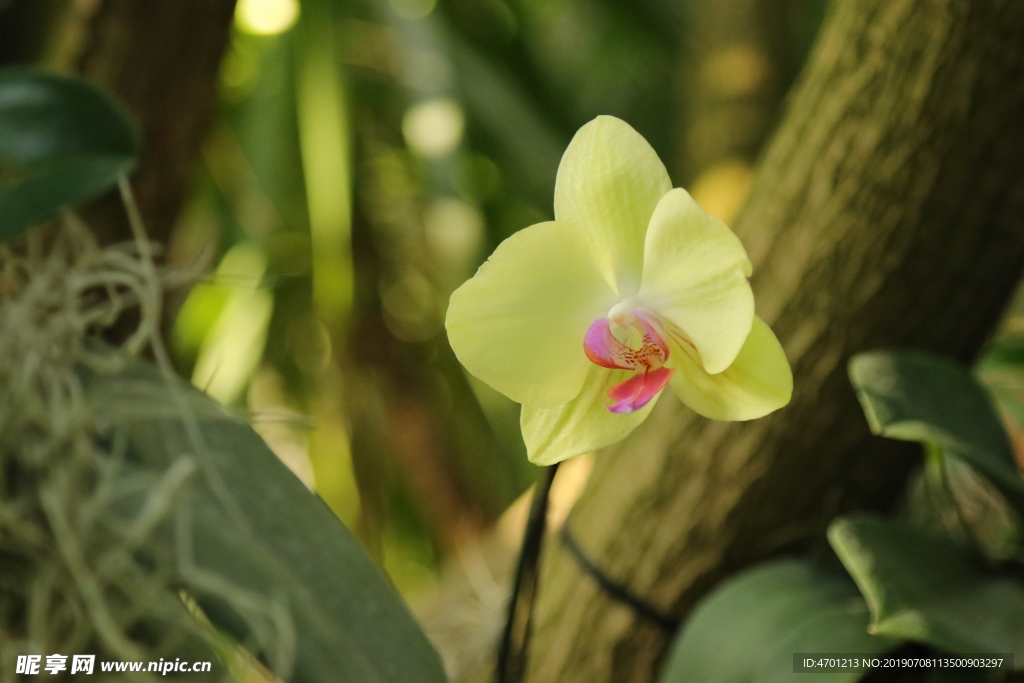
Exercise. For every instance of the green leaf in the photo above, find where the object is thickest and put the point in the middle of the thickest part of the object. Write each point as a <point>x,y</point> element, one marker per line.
<point>918,397</point>
<point>748,629</point>
<point>266,559</point>
<point>924,588</point>
<point>1005,351</point>
<point>61,141</point>
<point>952,497</point>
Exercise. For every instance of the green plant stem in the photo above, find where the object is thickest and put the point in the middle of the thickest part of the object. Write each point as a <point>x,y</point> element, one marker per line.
<point>515,640</point>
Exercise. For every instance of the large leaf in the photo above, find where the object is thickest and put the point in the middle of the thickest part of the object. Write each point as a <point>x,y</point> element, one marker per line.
<point>61,141</point>
<point>924,588</point>
<point>748,630</point>
<point>265,558</point>
<point>917,397</point>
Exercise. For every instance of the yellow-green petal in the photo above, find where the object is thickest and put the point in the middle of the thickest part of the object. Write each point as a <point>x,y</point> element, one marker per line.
<point>581,426</point>
<point>695,276</point>
<point>608,183</point>
<point>758,382</point>
<point>518,324</point>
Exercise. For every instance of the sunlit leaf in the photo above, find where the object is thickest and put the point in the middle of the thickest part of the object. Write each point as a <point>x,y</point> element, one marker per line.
<point>923,587</point>
<point>266,560</point>
<point>748,630</point>
<point>917,397</point>
<point>61,141</point>
<point>232,346</point>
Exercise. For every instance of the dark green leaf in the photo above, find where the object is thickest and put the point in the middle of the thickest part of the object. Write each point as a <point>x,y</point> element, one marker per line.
<point>1004,351</point>
<point>954,498</point>
<point>918,397</point>
<point>748,630</point>
<point>265,558</point>
<point>924,588</point>
<point>61,141</point>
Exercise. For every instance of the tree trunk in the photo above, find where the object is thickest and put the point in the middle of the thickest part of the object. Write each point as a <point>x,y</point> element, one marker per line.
<point>25,28</point>
<point>889,211</point>
<point>162,59</point>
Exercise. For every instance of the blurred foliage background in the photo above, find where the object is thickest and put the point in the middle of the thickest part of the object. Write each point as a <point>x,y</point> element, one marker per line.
<point>364,159</point>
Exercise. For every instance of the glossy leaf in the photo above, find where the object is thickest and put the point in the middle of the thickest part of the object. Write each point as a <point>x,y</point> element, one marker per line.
<point>922,587</point>
<point>748,630</point>
<point>918,397</point>
<point>61,142</point>
<point>266,559</point>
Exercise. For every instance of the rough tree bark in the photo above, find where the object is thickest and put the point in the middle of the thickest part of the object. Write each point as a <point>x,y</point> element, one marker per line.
<point>888,211</point>
<point>161,58</point>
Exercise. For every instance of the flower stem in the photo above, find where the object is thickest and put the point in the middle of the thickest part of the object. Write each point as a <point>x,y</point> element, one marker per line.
<point>515,641</point>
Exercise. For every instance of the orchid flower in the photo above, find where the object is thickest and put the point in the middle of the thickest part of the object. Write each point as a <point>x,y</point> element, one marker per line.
<point>584,320</point>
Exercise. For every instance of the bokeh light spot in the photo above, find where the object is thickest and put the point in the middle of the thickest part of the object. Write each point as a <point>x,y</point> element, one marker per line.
<point>722,189</point>
<point>433,128</point>
<point>266,17</point>
<point>736,71</point>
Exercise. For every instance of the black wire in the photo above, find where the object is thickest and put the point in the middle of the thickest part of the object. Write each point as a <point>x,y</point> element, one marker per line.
<point>613,588</point>
<point>512,651</point>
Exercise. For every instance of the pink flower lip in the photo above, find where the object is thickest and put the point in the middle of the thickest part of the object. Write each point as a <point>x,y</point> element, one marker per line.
<point>603,349</point>
<point>638,390</point>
